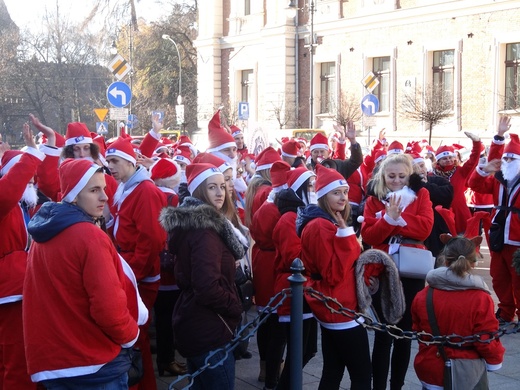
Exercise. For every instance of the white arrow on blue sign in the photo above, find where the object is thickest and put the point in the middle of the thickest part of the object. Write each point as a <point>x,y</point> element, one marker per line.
<point>119,94</point>
<point>370,104</point>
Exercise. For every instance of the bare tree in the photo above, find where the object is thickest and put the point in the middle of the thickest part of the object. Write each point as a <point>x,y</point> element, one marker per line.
<point>430,107</point>
<point>346,109</point>
<point>283,113</point>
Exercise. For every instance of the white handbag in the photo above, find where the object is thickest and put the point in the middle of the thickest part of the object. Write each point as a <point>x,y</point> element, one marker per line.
<point>413,262</point>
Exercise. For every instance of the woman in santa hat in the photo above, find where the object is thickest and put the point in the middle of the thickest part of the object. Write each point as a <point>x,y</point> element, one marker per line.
<point>300,193</point>
<point>462,305</point>
<point>206,247</point>
<point>394,210</point>
<point>329,251</point>
<point>74,336</point>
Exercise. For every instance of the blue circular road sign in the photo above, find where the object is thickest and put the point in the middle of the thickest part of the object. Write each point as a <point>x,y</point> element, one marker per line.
<point>370,105</point>
<point>119,94</point>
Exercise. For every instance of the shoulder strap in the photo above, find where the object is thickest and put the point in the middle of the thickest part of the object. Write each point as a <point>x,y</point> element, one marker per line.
<point>433,321</point>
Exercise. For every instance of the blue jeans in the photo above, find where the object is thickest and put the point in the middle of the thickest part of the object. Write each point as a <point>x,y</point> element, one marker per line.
<point>221,377</point>
<point>119,383</point>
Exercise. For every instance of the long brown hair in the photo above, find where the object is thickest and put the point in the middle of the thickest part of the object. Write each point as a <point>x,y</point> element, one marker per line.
<point>459,254</point>
<point>324,205</point>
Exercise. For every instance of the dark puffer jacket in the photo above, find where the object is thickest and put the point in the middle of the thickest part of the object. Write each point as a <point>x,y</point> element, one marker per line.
<point>205,248</point>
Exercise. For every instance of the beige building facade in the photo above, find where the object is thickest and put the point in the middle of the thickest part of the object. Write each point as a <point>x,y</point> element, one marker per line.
<point>465,51</point>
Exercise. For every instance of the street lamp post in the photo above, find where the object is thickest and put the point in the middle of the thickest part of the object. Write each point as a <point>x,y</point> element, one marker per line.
<point>179,97</point>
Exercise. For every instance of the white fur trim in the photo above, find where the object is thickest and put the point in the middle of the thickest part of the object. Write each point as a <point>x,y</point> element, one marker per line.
<point>182,159</point>
<point>50,150</point>
<point>197,181</point>
<point>319,146</point>
<point>223,146</point>
<point>331,186</point>
<point>81,184</point>
<point>511,155</point>
<point>444,154</point>
<point>304,176</point>
<point>118,153</point>
<point>289,155</point>
<point>265,166</point>
<point>78,140</point>
<point>394,151</point>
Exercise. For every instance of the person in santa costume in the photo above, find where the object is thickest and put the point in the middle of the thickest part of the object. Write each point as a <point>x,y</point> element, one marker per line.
<point>502,179</point>
<point>446,166</point>
<point>17,199</point>
<point>137,233</point>
<point>300,193</point>
<point>74,336</point>
<point>238,135</point>
<point>271,335</point>
<point>291,153</point>
<point>260,186</point>
<point>166,175</point>
<point>206,248</point>
<point>329,249</point>
<point>394,212</point>
<point>463,305</point>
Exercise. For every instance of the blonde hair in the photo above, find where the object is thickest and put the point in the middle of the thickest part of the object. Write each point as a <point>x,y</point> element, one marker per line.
<point>378,180</point>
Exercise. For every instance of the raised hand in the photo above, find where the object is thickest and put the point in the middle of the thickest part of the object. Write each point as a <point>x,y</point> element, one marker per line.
<point>28,135</point>
<point>503,125</point>
<point>341,130</point>
<point>492,166</point>
<point>46,130</point>
<point>156,123</point>
<point>339,218</point>
<point>351,131</point>
<point>393,207</point>
<point>471,136</point>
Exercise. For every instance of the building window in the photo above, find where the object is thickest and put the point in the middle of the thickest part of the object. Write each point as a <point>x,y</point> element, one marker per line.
<point>327,87</point>
<point>381,68</point>
<point>247,7</point>
<point>443,71</point>
<point>512,95</point>
<point>247,84</point>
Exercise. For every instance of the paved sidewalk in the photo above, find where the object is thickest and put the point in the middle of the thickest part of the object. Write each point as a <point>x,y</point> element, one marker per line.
<point>507,378</point>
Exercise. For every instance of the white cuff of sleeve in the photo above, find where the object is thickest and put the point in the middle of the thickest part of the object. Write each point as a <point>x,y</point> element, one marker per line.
<point>482,173</point>
<point>345,232</point>
<point>50,150</point>
<point>493,367</point>
<point>342,142</point>
<point>131,343</point>
<point>35,152</point>
<point>395,222</point>
<point>157,136</point>
<point>497,142</point>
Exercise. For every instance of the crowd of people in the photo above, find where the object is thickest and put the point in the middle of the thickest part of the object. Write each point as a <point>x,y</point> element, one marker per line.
<point>100,235</point>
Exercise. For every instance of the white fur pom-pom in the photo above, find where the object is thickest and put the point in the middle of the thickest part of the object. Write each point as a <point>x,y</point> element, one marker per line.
<point>360,219</point>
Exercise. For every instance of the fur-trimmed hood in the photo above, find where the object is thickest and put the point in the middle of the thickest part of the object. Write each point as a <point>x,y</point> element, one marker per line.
<point>194,214</point>
<point>392,296</point>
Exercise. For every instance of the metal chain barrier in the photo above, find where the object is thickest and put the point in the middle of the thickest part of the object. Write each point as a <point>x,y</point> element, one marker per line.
<point>250,329</point>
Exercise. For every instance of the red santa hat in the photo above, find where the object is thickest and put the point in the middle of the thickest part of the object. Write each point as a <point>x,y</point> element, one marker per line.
<point>197,173</point>
<point>235,130</point>
<point>266,158</point>
<point>298,176</point>
<point>379,156</point>
<point>395,148</point>
<point>122,148</point>
<point>165,168</point>
<point>209,158</point>
<point>279,172</point>
<point>291,148</point>
<point>100,141</point>
<point>319,141</point>
<point>183,155</point>
<point>77,133</point>
<point>417,158</point>
<point>512,149</point>
<point>327,180</point>
<point>444,151</point>
<point>302,141</point>
<point>218,137</point>
<point>60,139</point>
<point>10,158</point>
<point>74,176</point>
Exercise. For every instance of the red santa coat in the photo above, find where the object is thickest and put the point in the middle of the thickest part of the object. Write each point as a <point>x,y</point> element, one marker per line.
<point>463,313</point>
<point>491,185</point>
<point>263,252</point>
<point>168,282</point>
<point>138,235</point>
<point>332,257</point>
<point>288,247</point>
<point>14,238</point>
<point>357,190</point>
<point>75,329</point>
<point>418,215</point>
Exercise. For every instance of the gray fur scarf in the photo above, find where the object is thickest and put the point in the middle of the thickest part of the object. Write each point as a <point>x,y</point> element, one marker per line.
<point>392,297</point>
<point>195,214</point>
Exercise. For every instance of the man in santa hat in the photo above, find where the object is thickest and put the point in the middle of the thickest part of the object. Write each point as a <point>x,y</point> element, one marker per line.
<point>17,198</point>
<point>447,166</point>
<point>501,177</point>
<point>137,233</point>
<point>78,326</point>
<point>238,135</point>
